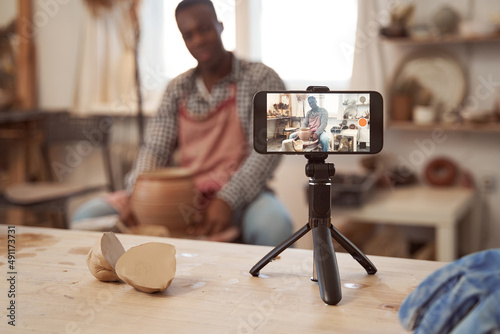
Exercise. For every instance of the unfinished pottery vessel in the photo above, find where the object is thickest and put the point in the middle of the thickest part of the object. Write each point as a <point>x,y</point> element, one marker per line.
<point>165,197</point>
<point>304,134</point>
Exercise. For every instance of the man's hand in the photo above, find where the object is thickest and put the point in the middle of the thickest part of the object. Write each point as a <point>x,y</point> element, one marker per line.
<point>314,136</point>
<point>120,201</point>
<point>216,223</point>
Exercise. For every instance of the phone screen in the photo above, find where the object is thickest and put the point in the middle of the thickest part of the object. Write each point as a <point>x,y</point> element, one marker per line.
<point>303,122</point>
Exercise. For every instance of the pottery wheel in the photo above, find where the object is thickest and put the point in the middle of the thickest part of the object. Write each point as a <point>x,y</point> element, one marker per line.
<point>311,143</point>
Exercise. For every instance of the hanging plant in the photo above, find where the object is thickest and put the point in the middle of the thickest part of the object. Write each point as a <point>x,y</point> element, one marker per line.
<point>301,98</point>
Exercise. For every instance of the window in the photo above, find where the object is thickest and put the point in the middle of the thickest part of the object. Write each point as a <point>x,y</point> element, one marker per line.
<point>302,41</point>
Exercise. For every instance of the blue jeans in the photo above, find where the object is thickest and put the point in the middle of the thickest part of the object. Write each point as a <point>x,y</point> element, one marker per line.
<point>323,139</point>
<point>460,298</point>
<point>265,221</point>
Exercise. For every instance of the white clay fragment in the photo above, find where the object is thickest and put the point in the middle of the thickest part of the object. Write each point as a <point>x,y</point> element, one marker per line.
<point>102,258</point>
<point>149,267</point>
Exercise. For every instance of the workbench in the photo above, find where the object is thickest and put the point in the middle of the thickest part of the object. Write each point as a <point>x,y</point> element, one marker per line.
<point>21,135</point>
<point>212,291</point>
<point>441,208</point>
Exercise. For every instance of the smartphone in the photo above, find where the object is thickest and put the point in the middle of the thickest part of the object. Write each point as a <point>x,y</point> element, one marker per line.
<point>310,122</point>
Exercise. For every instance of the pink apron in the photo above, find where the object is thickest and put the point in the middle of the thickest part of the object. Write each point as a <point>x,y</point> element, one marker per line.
<point>214,146</point>
<point>314,123</point>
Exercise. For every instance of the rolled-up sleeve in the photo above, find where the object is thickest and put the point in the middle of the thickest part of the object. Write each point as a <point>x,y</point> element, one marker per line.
<point>257,169</point>
<point>323,120</point>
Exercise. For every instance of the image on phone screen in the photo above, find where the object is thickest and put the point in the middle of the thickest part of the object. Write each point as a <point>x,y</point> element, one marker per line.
<point>327,122</point>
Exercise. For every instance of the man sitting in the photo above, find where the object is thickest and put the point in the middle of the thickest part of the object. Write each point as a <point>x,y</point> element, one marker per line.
<point>316,119</point>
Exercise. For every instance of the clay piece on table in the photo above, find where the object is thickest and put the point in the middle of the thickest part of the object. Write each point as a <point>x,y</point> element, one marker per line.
<point>149,267</point>
<point>151,230</point>
<point>102,257</point>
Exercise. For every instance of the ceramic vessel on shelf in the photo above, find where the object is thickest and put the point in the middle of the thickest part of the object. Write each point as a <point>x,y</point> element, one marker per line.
<point>402,105</point>
<point>471,28</point>
<point>446,20</point>
<point>163,197</point>
<point>304,134</point>
<point>423,115</point>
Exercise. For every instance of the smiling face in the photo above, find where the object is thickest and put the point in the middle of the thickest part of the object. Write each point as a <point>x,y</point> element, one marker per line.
<point>202,34</point>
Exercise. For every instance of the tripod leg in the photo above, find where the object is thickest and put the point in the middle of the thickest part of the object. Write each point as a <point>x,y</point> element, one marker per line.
<point>326,266</point>
<point>278,249</point>
<point>355,252</point>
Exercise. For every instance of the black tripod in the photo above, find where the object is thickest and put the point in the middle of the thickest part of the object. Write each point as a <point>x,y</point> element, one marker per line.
<point>326,271</point>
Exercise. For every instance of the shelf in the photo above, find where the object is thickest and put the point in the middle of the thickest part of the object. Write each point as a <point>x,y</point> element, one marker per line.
<point>463,127</point>
<point>455,39</point>
<point>283,117</point>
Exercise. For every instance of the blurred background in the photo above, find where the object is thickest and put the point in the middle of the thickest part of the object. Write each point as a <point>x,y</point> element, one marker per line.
<point>432,193</point>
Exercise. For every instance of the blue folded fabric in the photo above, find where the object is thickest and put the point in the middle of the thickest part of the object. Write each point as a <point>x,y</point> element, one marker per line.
<point>461,297</point>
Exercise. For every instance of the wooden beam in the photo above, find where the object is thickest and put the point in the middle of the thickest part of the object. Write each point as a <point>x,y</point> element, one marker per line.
<point>26,62</point>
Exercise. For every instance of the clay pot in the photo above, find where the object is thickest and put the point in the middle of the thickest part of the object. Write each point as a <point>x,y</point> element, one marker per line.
<point>165,197</point>
<point>446,20</point>
<point>402,107</point>
<point>304,134</point>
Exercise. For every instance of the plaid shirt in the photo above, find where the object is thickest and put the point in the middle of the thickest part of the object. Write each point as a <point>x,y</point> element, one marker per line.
<point>161,135</point>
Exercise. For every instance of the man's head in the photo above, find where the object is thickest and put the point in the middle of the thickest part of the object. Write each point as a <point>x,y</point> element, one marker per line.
<point>201,31</point>
<point>188,3</point>
<point>312,102</point>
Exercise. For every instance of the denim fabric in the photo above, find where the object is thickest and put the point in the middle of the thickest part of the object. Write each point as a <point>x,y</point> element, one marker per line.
<point>484,318</point>
<point>94,208</point>
<point>266,221</point>
<point>325,141</point>
<point>461,297</point>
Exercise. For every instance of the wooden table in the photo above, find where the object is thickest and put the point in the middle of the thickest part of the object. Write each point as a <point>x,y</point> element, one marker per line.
<point>212,291</point>
<point>438,207</point>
